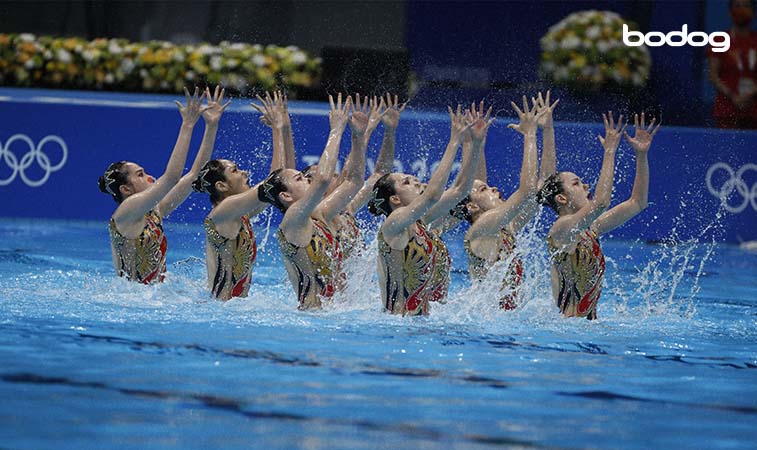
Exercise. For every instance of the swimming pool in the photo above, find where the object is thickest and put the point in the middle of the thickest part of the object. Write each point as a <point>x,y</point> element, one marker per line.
<point>89,360</point>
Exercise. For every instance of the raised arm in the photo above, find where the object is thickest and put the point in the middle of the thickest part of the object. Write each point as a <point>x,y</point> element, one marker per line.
<point>471,154</point>
<point>548,165</point>
<point>365,118</point>
<point>353,171</point>
<point>296,222</point>
<point>385,159</point>
<point>402,217</point>
<point>493,220</point>
<point>568,227</point>
<point>212,115</point>
<point>621,213</point>
<point>273,115</point>
<point>135,206</point>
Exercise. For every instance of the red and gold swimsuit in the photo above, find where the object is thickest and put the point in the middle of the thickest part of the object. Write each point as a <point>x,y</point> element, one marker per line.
<point>579,276</point>
<point>230,261</point>
<point>479,267</point>
<point>441,268</point>
<point>414,276</point>
<point>348,234</point>
<point>142,259</point>
<point>316,269</point>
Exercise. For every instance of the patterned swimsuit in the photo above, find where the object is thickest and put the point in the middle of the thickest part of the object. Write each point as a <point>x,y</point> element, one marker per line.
<point>233,258</point>
<point>142,259</point>
<point>414,276</point>
<point>315,269</point>
<point>479,267</point>
<point>348,234</point>
<point>579,276</point>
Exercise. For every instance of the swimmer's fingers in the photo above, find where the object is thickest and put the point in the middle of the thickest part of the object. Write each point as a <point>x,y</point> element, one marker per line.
<point>643,121</point>
<point>178,103</point>
<point>517,110</point>
<point>539,100</point>
<point>331,102</point>
<point>656,128</point>
<point>382,109</point>
<point>488,114</point>
<point>601,140</point>
<point>186,94</point>
<point>260,110</point>
<point>225,105</point>
<point>196,95</point>
<point>611,120</point>
<point>525,105</point>
<point>604,119</point>
<point>552,108</point>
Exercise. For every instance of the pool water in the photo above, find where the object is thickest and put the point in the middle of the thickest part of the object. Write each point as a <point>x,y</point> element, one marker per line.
<point>88,360</point>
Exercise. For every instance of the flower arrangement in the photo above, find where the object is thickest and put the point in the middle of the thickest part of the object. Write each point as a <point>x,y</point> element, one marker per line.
<point>586,50</point>
<point>155,66</point>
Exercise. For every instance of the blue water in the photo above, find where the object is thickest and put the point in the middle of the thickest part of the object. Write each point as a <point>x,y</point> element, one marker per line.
<point>88,360</point>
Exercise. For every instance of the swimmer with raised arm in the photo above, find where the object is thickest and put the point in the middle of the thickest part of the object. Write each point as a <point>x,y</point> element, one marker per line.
<point>578,264</point>
<point>138,242</point>
<point>390,111</point>
<point>494,221</point>
<point>364,120</point>
<point>309,247</point>
<point>230,245</point>
<point>413,261</point>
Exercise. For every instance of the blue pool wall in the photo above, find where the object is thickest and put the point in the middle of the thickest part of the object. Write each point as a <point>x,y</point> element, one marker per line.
<point>689,166</point>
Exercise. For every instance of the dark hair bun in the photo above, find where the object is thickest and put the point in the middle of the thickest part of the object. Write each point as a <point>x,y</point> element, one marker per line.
<point>460,211</point>
<point>198,185</point>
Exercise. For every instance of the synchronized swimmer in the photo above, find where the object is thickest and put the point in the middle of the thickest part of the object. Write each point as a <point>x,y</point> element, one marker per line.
<point>318,232</point>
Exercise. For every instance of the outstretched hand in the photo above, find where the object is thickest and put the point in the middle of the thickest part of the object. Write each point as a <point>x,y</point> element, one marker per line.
<point>480,122</point>
<point>544,110</point>
<point>214,106</point>
<point>360,116</point>
<point>191,112</point>
<point>391,117</point>
<point>643,134</point>
<point>272,109</point>
<point>339,114</point>
<point>528,118</point>
<point>460,122</point>
<point>376,111</point>
<point>613,132</point>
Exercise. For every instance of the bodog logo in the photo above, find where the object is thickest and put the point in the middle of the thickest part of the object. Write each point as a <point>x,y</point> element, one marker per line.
<point>35,154</point>
<point>734,183</point>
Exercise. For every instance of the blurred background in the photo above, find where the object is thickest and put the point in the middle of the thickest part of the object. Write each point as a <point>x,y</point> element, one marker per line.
<point>437,53</point>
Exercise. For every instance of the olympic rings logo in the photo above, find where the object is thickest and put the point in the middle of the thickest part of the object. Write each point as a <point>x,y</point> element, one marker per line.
<point>35,154</point>
<point>734,183</point>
